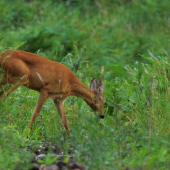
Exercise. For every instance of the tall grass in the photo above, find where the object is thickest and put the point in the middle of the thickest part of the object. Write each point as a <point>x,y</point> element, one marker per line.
<point>135,131</point>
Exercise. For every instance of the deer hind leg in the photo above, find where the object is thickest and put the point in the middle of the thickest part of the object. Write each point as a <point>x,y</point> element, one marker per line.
<point>16,74</point>
<point>41,100</point>
<point>14,84</point>
<point>62,113</point>
<point>3,81</point>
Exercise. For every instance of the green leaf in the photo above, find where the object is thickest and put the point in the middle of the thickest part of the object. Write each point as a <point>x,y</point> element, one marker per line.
<point>66,159</point>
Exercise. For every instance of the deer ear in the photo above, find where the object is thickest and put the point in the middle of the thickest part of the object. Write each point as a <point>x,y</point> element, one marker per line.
<point>93,84</point>
<point>100,86</point>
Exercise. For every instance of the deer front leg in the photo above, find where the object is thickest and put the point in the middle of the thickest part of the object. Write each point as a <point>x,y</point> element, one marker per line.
<point>62,113</point>
<point>41,100</point>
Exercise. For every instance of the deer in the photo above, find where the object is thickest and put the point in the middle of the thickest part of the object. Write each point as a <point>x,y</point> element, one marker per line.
<point>51,79</point>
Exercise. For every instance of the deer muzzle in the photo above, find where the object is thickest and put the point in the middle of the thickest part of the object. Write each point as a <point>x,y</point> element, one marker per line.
<point>101,116</point>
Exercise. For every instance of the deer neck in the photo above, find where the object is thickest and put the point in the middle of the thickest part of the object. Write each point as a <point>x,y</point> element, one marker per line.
<point>80,90</point>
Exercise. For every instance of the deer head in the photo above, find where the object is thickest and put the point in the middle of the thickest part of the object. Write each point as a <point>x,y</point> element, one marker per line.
<point>98,99</point>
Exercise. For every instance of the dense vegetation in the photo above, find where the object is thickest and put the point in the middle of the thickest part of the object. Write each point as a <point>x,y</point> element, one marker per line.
<point>127,43</point>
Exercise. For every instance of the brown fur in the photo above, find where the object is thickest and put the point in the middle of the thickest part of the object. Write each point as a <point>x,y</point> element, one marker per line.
<point>53,80</point>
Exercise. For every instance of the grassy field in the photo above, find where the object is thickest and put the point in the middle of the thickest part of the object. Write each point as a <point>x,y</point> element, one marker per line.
<point>122,42</point>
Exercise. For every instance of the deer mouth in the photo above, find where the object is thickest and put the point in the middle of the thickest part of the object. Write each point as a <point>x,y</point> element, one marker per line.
<point>101,116</point>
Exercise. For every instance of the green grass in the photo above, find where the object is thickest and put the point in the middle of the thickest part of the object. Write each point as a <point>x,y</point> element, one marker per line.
<point>116,36</point>
<point>13,149</point>
<point>122,138</point>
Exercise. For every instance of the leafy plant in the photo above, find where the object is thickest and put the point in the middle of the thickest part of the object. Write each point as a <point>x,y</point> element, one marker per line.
<point>48,159</point>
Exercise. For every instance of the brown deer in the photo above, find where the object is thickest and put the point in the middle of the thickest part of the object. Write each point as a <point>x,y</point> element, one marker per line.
<point>52,79</point>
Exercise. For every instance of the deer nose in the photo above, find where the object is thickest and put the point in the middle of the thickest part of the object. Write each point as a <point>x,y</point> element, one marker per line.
<point>101,116</point>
